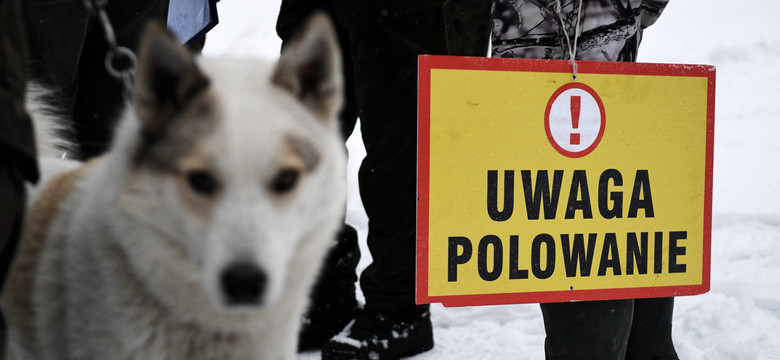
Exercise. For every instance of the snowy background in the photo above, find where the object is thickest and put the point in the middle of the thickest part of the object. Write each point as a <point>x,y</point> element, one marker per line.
<point>740,317</point>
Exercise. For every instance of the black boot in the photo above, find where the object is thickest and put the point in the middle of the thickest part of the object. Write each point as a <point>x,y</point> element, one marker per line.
<point>382,335</point>
<point>323,321</point>
<point>333,302</point>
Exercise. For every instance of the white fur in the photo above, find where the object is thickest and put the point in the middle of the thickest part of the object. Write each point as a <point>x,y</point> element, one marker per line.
<point>130,271</point>
<point>51,130</point>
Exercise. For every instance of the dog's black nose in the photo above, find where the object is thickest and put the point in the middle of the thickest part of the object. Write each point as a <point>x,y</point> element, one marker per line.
<point>243,284</point>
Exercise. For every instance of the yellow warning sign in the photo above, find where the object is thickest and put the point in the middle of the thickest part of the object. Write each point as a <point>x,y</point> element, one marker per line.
<point>534,187</point>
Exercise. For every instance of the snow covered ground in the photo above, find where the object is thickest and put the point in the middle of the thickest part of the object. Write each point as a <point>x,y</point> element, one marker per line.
<point>740,317</point>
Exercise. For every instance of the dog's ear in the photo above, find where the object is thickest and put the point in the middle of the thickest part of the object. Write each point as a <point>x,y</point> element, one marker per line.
<point>167,78</point>
<point>310,67</point>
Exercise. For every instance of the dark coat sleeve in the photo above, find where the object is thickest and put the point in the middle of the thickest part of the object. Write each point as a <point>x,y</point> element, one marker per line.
<point>16,132</point>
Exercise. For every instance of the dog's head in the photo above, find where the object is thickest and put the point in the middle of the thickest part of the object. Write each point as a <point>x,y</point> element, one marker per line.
<point>237,167</point>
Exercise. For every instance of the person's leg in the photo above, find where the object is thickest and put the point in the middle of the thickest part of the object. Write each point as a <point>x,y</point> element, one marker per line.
<point>385,43</point>
<point>333,302</point>
<point>99,99</point>
<point>385,47</point>
<point>386,93</point>
<point>17,148</point>
<point>56,30</point>
<point>651,332</point>
<point>593,330</point>
<point>292,14</point>
<point>12,198</point>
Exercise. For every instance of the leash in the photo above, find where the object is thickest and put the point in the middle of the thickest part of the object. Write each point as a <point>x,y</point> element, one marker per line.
<point>120,61</point>
<point>572,50</point>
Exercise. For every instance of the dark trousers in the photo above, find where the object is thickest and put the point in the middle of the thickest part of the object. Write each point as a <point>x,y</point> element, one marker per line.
<point>380,45</point>
<point>638,329</point>
<point>385,38</point>
<point>68,50</point>
<point>337,278</point>
<point>12,205</point>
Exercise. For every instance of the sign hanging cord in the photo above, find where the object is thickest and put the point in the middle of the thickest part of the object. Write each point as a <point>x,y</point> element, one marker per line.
<point>572,50</point>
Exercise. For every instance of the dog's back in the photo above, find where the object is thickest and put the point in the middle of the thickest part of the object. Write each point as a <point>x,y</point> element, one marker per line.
<point>18,300</point>
<point>201,231</point>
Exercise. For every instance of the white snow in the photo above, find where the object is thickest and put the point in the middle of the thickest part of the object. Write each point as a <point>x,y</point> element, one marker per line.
<point>740,317</point>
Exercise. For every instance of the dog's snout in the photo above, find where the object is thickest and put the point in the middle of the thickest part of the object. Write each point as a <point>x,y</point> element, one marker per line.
<point>243,284</point>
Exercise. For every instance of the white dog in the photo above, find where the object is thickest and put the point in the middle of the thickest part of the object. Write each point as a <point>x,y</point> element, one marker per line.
<point>200,233</point>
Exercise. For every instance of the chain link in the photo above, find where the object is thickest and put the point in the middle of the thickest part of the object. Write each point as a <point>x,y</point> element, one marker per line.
<point>120,61</point>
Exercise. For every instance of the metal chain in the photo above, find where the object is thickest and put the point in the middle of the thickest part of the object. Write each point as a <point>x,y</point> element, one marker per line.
<point>120,61</point>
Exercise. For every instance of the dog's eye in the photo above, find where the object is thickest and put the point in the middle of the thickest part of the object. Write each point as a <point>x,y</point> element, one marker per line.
<point>202,182</point>
<point>285,180</point>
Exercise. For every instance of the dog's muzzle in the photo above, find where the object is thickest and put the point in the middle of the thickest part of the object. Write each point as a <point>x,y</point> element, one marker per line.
<point>243,284</point>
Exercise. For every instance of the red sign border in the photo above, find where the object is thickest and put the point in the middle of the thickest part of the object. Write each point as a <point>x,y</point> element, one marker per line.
<point>428,62</point>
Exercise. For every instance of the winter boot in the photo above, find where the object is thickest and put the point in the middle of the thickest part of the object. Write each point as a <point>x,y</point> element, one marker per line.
<point>324,320</point>
<point>382,335</point>
<point>333,302</point>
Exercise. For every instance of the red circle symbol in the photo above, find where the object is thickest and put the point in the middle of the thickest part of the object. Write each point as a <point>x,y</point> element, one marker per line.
<point>575,120</point>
